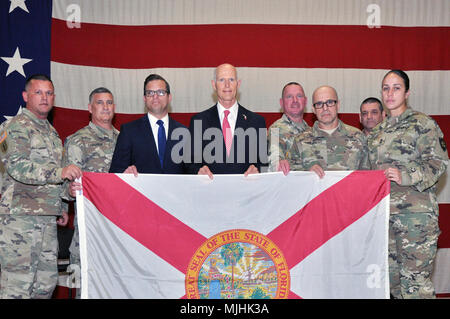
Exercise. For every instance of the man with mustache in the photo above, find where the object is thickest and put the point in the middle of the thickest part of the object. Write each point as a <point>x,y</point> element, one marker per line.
<point>91,148</point>
<point>371,114</point>
<point>331,144</point>
<point>281,133</point>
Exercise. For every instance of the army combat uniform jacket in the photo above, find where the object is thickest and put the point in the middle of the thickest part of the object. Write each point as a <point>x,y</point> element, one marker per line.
<point>3,135</point>
<point>413,143</point>
<point>281,137</point>
<point>91,148</point>
<point>344,149</point>
<point>32,155</point>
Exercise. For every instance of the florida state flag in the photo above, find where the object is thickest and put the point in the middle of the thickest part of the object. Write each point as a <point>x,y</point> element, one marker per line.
<point>262,236</point>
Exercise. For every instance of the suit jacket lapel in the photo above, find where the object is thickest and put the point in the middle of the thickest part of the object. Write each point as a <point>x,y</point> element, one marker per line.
<point>169,142</point>
<point>213,118</point>
<point>242,120</point>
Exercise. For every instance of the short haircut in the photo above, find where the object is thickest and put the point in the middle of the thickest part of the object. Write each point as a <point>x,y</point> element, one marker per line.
<point>98,90</point>
<point>372,100</point>
<point>40,77</point>
<point>215,71</point>
<point>290,83</point>
<point>401,74</point>
<point>154,77</point>
<point>327,87</point>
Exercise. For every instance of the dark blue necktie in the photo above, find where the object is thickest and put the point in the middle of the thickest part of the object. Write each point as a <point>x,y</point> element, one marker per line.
<point>161,141</point>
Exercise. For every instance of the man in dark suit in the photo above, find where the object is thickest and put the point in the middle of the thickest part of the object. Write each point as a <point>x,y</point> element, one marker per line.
<point>145,145</point>
<point>227,138</point>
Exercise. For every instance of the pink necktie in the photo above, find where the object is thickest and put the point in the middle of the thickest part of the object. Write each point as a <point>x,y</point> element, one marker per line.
<point>226,129</point>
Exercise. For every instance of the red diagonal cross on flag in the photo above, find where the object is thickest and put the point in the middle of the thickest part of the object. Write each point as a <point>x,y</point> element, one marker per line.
<point>174,240</point>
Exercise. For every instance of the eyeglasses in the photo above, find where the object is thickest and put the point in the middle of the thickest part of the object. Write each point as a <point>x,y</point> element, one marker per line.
<point>149,93</point>
<point>328,103</point>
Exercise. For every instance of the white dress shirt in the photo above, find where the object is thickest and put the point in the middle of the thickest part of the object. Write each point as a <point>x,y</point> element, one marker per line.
<point>155,127</point>
<point>232,117</point>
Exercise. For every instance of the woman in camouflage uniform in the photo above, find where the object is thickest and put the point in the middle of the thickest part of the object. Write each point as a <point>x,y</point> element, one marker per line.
<point>409,147</point>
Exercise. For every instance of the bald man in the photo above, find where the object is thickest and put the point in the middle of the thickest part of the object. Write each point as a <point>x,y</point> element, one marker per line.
<point>331,144</point>
<point>227,138</point>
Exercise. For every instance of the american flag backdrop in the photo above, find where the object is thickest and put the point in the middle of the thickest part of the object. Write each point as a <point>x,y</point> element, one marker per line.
<point>348,44</point>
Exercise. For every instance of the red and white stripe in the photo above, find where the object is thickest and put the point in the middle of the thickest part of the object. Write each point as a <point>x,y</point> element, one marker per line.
<point>314,42</point>
<point>135,236</point>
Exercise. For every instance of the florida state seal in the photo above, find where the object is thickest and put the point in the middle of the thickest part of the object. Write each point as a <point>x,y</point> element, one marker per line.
<point>238,263</point>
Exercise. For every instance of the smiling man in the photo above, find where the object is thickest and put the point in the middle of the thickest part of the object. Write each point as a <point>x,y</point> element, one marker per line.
<point>331,144</point>
<point>145,145</point>
<point>91,148</point>
<point>31,205</point>
<point>281,133</point>
<point>227,138</point>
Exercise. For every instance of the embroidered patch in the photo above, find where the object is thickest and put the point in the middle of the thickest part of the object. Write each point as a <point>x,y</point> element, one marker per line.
<point>3,144</point>
<point>3,136</point>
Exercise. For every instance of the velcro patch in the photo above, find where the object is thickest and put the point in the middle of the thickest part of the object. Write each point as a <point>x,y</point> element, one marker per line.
<point>3,136</point>
<point>3,144</point>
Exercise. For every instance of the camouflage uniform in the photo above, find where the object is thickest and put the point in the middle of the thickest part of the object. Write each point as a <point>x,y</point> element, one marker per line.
<point>3,134</point>
<point>31,200</point>
<point>90,148</point>
<point>3,209</point>
<point>281,137</point>
<point>344,149</point>
<point>413,143</point>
